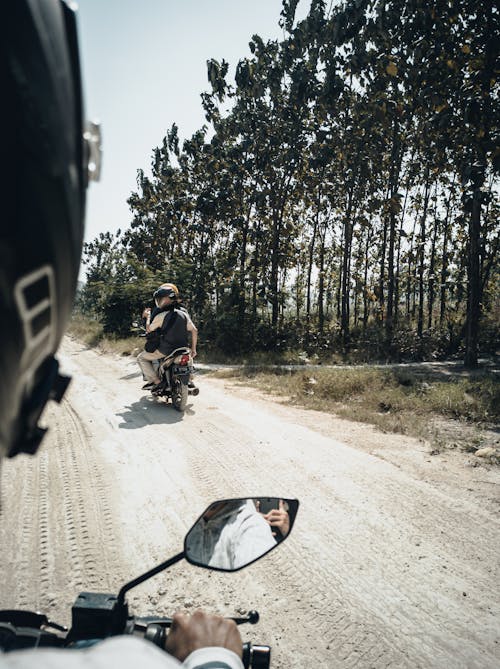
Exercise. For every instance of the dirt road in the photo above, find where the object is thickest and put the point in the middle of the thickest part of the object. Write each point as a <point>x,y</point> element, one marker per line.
<point>393,562</point>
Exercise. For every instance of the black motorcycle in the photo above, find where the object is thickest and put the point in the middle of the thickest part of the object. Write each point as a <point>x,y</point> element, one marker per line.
<point>175,372</point>
<point>96,615</point>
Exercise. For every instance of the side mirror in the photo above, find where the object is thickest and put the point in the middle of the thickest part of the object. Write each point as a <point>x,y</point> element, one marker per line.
<point>232,533</point>
<point>229,535</point>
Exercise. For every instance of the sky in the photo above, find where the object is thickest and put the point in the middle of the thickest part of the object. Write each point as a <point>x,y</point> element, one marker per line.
<point>144,67</point>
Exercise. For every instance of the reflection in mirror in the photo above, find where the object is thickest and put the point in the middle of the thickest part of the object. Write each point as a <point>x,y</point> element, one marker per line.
<point>233,533</point>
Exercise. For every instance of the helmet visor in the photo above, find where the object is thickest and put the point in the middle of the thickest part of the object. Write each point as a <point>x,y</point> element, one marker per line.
<point>163,292</point>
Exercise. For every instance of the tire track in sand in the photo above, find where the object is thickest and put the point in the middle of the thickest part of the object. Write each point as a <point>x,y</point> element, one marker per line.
<point>58,535</point>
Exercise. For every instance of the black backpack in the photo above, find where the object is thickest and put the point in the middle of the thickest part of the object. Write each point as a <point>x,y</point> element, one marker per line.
<point>173,332</point>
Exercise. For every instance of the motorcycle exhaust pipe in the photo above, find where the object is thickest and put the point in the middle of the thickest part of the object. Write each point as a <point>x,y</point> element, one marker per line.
<point>193,391</point>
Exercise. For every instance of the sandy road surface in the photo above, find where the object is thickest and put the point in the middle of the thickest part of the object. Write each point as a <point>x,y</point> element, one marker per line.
<point>394,560</point>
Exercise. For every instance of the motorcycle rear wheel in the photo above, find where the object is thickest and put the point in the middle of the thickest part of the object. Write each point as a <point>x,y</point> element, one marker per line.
<point>179,394</point>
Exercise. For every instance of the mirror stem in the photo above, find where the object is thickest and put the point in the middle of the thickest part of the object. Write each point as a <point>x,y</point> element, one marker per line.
<point>147,575</point>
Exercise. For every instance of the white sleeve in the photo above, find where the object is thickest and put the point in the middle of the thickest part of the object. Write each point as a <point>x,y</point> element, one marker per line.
<point>213,658</point>
<point>254,540</point>
<point>125,652</point>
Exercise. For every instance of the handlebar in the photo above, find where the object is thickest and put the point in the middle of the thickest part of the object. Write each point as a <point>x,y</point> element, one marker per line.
<point>155,630</point>
<point>255,656</point>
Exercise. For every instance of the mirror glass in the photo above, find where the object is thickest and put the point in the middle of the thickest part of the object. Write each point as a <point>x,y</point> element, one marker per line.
<point>232,533</point>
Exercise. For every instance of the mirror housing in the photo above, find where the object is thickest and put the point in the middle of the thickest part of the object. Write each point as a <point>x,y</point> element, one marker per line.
<point>233,533</point>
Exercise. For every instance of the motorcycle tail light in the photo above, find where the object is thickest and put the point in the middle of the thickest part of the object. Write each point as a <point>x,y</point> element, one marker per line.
<point>184,360</point>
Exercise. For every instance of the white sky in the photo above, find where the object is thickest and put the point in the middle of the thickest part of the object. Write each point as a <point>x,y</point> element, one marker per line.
<point>144,67</point>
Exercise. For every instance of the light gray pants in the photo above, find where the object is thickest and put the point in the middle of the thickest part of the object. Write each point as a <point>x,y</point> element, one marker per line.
<point>144,362</point>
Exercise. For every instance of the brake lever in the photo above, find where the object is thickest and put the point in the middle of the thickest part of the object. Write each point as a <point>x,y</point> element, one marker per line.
<point>141,624</point>
<point>252,618</point>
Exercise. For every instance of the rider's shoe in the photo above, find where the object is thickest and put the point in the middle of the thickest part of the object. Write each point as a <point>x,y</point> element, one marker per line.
<point>148,386</point>
<point>158,388</point>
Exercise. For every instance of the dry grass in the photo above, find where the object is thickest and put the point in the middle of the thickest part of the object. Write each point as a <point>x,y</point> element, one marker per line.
<point>87,331</point>
<point>90,333</point>
<point>393,400</point>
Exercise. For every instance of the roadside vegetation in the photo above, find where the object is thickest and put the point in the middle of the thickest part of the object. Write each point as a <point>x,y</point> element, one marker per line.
<point>435,405</point>
<point>90,333</point>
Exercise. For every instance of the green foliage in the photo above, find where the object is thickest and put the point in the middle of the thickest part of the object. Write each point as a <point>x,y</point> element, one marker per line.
<point>121,306</point>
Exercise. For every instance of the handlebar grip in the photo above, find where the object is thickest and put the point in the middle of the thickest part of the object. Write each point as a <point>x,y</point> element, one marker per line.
<point>256,656</point>
<point>157,634</point>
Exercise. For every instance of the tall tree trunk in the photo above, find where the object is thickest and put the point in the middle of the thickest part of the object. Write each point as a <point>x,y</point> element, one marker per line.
<point>346,265</point>
<point>321,282</point>
<point>278,212</point>
<point>275,245</point>
<point>383,252</point>
<point>339,282</point>
<point>309,277</point>
<point>444,257</point>
<point>365,279</point>
<point>397,283</point>
<point>297,295</point>
<point>432,263</point>
<point>412,272</point>
<point>421,264</point>
<point>473,284</point>
<point>393,191</point>
<point>242,271</point>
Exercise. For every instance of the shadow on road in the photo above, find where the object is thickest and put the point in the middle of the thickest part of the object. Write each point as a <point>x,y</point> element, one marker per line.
<point>133,375</point>
<point>148,411</point>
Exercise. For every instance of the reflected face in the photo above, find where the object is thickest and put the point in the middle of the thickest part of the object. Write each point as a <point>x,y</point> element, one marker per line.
<point>164,301</point>
<point>232,534</point>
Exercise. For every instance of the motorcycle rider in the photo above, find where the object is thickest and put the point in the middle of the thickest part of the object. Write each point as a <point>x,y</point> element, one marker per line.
<point>46,165</point>
<point>167,331</point>
<point>230,535</point>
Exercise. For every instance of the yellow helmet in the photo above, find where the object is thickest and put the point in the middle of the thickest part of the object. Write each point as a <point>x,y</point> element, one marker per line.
<point>166,290</point>
<point>171,286</point>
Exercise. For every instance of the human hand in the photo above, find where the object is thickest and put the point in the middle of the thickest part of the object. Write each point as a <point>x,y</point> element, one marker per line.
<point>279,518</point>
<point>200,630</point>
<point>193,353</point>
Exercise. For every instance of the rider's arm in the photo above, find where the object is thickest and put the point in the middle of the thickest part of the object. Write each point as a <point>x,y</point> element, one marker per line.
<point>191,327</point>
<point>125,652</point>
<point>157,322</point>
